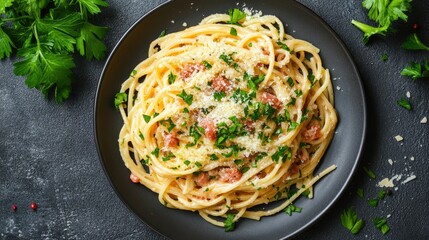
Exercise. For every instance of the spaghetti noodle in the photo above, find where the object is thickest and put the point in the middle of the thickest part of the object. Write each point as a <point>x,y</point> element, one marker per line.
<point>222,117</point>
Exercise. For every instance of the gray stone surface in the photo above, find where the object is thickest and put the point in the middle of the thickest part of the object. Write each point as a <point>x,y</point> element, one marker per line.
<point>48,154</point>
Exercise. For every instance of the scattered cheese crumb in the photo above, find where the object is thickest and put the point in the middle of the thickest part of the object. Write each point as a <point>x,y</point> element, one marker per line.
<point>388,215</point>
<point>184,24</point>
<point>412,158</point>
<point>390,161</point>
<point>399,138</point>
<point>338,88</point>
<point>424,120</point>
<point>410,178</point>
<point>408,94</point>
<point>172,21</point>
<point>386,183</point>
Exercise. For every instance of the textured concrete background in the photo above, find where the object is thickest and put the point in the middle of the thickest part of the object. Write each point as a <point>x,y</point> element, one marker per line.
<point>48,154</point>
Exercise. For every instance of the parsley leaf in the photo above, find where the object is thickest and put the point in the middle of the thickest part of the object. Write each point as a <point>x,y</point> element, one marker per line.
<point>236,15</point>
<point>207,65</point>
<point>188,98</point>
<point>229,224</point>
<point>370,173</point>
<point>120,98</point>
<point>171,78</point>
<point>349,221</point>
<point>381,224</point>
<point>6,44</point>
<point>414,43</point>
<point>93,6</point>
<point>370,30</point>
<point>383,12</point>
<point>233,31</point>
<point>416,70</point>
<point>290,209</point>
<point>403,102</point>
<point>89,43</point>
<point>219,95</point>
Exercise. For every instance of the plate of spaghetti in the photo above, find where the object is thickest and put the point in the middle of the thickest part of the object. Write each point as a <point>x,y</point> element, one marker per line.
<point>223,119</point>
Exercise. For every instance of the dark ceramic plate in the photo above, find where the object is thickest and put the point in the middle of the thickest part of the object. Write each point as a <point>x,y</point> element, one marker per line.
<point>344,150</point>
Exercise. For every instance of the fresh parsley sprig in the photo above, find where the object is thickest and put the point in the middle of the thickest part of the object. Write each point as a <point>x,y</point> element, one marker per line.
<point>413,42</point>
<point>45,34</point>
<point>349,220</point>
<point>416,70</point>
<point>383,12</point>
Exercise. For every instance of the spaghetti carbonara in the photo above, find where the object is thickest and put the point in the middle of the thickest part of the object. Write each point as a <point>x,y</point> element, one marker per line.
<point>228,115</point>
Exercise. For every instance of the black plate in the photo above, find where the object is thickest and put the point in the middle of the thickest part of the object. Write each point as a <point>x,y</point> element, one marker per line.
<point>344,151</point>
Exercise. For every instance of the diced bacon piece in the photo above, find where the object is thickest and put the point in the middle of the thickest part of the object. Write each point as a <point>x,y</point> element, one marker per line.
<point>312,132</point>
<point>229,175</point>
<point>171,140</point>
<point>134,178</point>
<point>271,99</point>
<point>249,125</point>
<point>261,174</point>
<point>221,84</point>
<point>265,51</point>
<point>202,179</point>
<point>190,68</point>
<point>280,57</point>
<point>209,129</point>
<point>294,168</point>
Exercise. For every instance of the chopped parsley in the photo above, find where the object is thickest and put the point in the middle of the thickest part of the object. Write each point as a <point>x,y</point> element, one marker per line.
<point>384,57</point>
<point>381,224</point>
<point>169,124</point>
<point>242,96</point>
<point>219,95</point>
<point>229,224</point>
<point>133,73</point>
<point>253,81</point>
<point>171,78</point>
<point>416,70</point>
<point>186,97</point>
<point>369,172</point>
<point>146,118</point>
<point>233,31</point>
<point>290,209</point>
<point>403,102</point>
<point>207,65</point>
<point>120,98</point>
<point>213,157</point>
<point>291,82</point>
<point>349,220</point>
<point>283,153</point>
<point>155,152</point>
<point>187,162</point>
<point>141,135</point>
<point>414,43</point>
<point>227,58</point>
<point>196,132</point>
<point>198,164</point>
<point>236,15</point>
<point>283,46</point>
<point>162,34</point>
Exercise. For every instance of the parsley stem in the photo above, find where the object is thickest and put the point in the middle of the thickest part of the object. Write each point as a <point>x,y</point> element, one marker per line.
<point>15,19</point>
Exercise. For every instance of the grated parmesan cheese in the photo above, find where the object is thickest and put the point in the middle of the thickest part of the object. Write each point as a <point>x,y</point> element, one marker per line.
<point>386,182</point>
<point>408,94</point>
<point>399,138</point>
<point>390,161</point>
<point>424,120</point>
<point>408,179</point>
